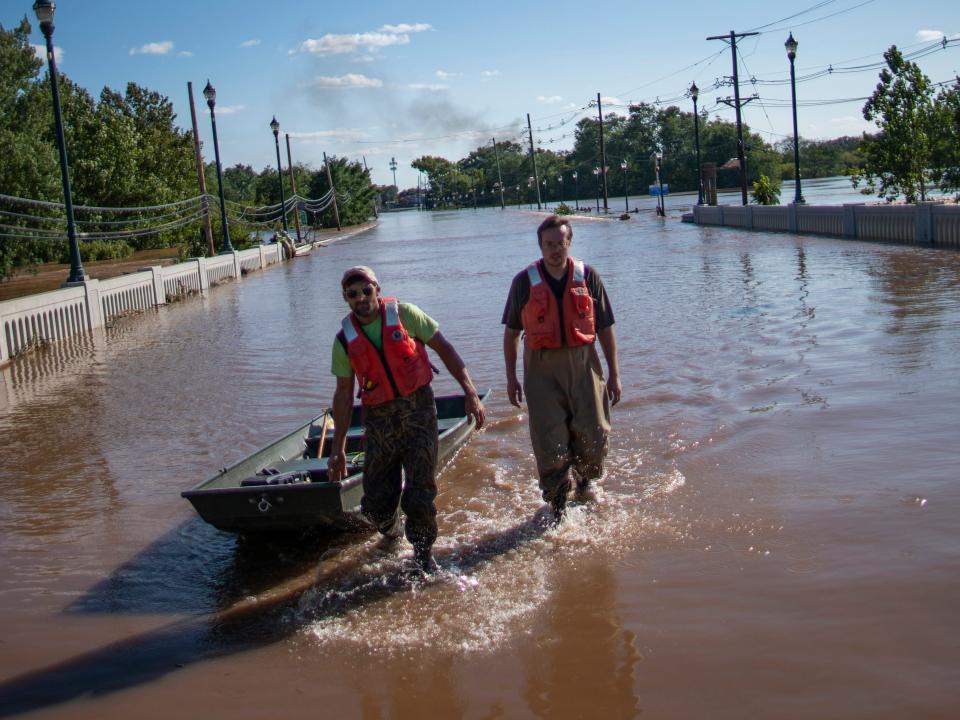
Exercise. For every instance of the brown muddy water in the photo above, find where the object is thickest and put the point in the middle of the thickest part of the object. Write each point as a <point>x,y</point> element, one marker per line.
<point>777,534</point>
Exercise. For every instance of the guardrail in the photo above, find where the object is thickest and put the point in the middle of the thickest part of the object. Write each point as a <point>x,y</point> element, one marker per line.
<point>31,321</point>
<point>928,224</point>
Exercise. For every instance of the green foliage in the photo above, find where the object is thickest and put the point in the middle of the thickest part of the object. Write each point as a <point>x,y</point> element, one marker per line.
<point>93,250</point>
<point>356,192</point>
<point>765,192</point>
<point>898,160</point>
<point>563,209</point>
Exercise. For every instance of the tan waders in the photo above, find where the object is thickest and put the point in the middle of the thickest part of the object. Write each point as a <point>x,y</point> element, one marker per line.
<point>569,417</point>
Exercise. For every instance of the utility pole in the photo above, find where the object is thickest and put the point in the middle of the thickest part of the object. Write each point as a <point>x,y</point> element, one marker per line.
<point>496,154</point>
<point>293,189</point>
<point>201,176</point>
<point>741,157</point>
<point>603,156</point>
<point>336,211</point>
<point>533,159</point>
<point>367,171</point>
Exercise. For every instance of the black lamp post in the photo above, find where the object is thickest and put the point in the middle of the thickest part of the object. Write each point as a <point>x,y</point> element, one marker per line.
<point>657,158</point>
<point>393,167</point>
<point>518,197</point>
<point>45,10</point>
<point>791,46</point>
<point>546,204</point>
<point>560,180</point>
<point>211,96</point>
<point>596,174</point>
<point>695,93</point>
<point>576,191</point>
<point>529,191</point>
<point>275,126</point>
<point>626,201</point>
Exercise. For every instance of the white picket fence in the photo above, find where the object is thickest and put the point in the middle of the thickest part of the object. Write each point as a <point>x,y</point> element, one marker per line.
<point>929,224</point>
<point>53,316</point>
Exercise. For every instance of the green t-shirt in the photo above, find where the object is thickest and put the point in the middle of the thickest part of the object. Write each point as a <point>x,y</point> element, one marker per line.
<point>415,321</point>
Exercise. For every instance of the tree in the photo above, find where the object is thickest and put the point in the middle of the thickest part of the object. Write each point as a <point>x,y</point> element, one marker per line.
<point>946,152</point>
<point>898,159</point>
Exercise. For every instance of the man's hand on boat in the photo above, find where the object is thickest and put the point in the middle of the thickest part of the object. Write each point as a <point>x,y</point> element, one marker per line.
<point>336,466</point>
<point>474,408</point>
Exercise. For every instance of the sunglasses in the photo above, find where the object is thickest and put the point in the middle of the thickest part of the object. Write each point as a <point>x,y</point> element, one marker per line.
<point>354,294</point>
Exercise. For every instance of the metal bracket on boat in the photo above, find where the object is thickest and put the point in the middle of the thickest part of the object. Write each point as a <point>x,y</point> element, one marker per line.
<point>264,504</point>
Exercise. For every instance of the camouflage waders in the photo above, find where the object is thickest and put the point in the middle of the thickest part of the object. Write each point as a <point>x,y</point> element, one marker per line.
<point>402,435</point>
<point>569,416</point>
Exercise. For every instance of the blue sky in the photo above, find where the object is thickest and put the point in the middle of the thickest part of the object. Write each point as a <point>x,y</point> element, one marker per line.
<point>381,80</point>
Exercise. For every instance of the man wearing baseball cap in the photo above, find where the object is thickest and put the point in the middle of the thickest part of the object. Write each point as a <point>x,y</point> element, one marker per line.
<point>382,343</point>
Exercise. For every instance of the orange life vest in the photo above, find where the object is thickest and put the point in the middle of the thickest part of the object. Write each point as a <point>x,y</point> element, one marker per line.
<point>399,368</point>
<point>541,313</point>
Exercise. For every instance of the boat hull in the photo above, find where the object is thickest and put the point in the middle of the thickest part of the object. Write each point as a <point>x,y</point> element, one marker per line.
<point>283,488</point>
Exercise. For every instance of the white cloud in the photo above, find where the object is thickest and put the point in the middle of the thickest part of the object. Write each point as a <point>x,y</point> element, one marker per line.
<point>929,35</point>
<point>230,109</point>
<point>337,134</point>
<point>444,75</point>
<point>333,44</point>
<point>549,99</point>
<point>250,43</point>
<point>489,74</point>
<point>428,86</point>
<point>611,100</point>
<point>41,51</point>
<point>153,48</point>
<point>185,53</point>
<point>405,28</point>
<point>350,80</point>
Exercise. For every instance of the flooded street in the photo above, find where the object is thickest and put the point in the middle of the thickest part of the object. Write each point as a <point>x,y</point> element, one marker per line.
<point>776,535</point>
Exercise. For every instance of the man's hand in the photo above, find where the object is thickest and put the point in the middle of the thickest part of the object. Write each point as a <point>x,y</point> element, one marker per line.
<point>336,466</point>
<point>613,389</point>
<point>514,390</point>
<point>475,409</point>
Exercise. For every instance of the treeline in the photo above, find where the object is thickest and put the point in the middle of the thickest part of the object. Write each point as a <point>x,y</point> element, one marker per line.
<point>125,151</point>
<point>917,148</point>
<point>633,138</point>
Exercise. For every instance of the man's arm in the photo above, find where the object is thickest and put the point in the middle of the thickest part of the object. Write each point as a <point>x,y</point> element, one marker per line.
<point>455,366</point>
<point>342,410</point>
<point>608,342</point>
<point>511,347</point>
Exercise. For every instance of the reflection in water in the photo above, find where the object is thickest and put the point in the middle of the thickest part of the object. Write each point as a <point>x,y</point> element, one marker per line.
<point>583,661</point>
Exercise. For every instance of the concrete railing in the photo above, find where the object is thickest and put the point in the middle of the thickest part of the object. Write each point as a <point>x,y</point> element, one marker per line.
<point>52,316</point>
<point>931,224</point>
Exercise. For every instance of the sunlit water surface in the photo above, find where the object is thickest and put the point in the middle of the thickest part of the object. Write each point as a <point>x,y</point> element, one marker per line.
<point>776,534</point>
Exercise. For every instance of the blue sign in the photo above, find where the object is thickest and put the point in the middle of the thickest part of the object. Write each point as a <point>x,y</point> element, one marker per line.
<point>655,190</point>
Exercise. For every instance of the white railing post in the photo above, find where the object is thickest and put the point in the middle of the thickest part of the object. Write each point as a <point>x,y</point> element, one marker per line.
<point>236,265</point>
<point>159,293</point>
<point>792,217</point>
<point>849,221</point>
<point>263,256</point>
<point>91,289</point>
<point>202,274</point>
<point>4,350</point>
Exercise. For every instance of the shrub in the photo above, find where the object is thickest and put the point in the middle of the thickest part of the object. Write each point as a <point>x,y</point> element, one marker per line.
<point>563,209</point>
<point>765,191</point>
<point>93,250</point>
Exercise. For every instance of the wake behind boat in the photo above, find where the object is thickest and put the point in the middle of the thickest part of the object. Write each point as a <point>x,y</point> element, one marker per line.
<point>283,487</point>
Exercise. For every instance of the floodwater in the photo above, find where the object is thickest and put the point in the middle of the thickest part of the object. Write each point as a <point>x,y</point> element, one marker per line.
<point>776,535</point>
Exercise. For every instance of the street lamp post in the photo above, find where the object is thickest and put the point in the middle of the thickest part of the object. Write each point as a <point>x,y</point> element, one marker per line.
<point>393,167</point>
<point>45,11</point>
<point>576,191</point>
<point>657,158</point>
<point>596,174</point>
<point>529,189</point>
<point>560,180</point>
<point>546,203</point>
<point>791,46</point>
<point>694,93</point>
<point>626,201</point>
<point>210,93</point>
<point>518,197</point>
<point>275,126</point>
